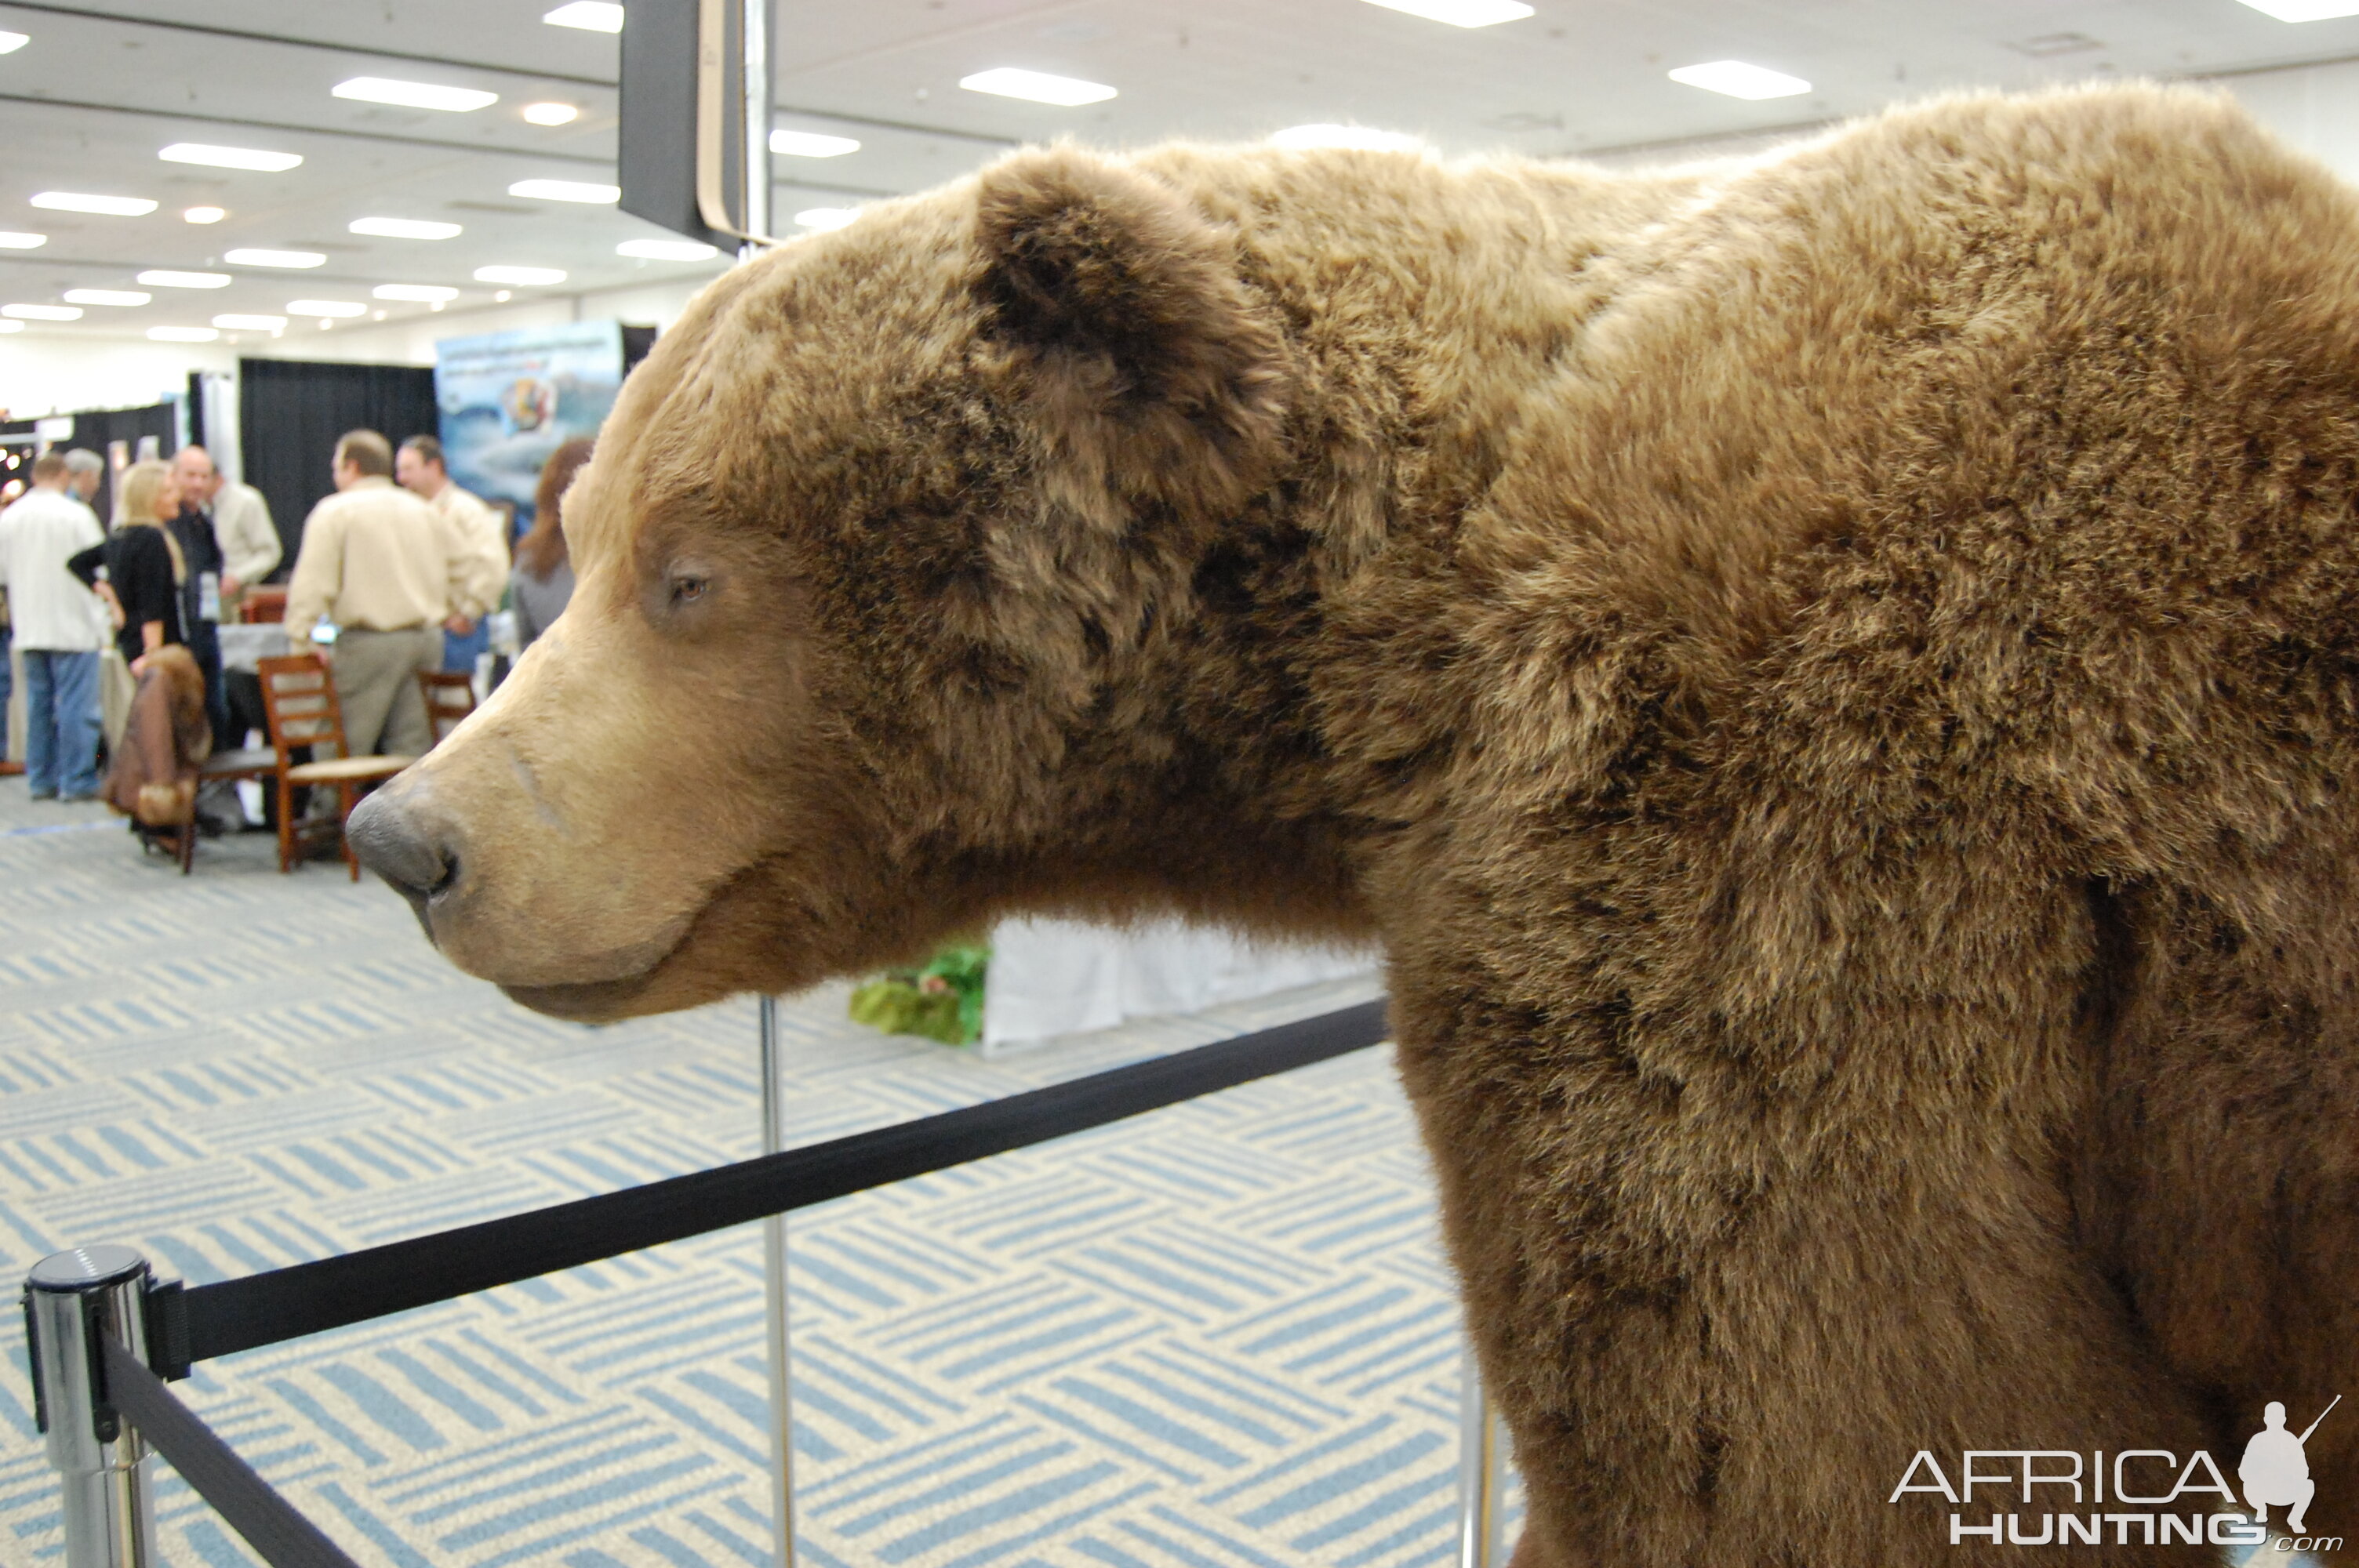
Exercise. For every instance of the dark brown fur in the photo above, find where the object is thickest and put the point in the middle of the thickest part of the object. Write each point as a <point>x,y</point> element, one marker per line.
<point>1835,680</point>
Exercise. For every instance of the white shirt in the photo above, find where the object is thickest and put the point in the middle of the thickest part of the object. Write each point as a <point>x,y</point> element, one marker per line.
<point>485,574</point>
<point>249,544</point>
<point>47,604</point>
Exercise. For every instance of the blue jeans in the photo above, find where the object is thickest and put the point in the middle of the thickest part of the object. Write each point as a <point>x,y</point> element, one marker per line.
<point>7,683</point>
<point>459,653</point>
<point>60,722</point>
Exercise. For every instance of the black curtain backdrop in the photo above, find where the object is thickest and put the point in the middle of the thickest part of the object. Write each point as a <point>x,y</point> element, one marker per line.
<point>97,428</point>
<point>291,411</point>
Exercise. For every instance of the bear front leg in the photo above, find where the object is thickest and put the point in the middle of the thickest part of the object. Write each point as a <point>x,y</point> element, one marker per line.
<point>1728,1277</point>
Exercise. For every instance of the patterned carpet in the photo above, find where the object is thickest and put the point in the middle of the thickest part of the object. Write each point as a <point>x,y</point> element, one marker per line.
<point>1216,1337</point>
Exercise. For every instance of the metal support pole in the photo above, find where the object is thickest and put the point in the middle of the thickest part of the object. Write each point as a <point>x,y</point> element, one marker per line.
<point>774,1295</point>
<point>1478,1471</point>
<point>755,26</point>
<point>69,1299</point>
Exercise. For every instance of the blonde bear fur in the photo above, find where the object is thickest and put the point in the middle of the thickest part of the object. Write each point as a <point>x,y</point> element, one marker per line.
<point>1834,678</point>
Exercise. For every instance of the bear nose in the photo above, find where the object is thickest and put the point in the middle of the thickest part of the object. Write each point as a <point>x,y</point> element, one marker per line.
<point>394,838</point>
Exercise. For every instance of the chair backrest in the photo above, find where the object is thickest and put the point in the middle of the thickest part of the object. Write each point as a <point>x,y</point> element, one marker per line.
<point>449,697</point>
<point>299,701</point>
<point>260,604</point>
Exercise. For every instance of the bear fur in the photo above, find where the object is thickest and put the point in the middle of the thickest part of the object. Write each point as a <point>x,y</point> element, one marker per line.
<point>1835,677</point>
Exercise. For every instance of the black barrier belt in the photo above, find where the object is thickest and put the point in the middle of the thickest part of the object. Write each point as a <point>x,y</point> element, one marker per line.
<point>310,1298</point>
<point>283,1538</point>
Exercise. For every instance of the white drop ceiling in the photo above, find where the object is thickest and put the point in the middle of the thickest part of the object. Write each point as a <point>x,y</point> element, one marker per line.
<point>87,103</point>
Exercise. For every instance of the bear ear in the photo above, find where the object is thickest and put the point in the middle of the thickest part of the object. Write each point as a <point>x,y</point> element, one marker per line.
<point>1147,362</point>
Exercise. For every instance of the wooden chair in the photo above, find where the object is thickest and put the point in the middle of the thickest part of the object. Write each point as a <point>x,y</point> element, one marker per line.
<point>299,697</point>
<point>248,762</point>
<point>449,697</point>
<point>260,604</point>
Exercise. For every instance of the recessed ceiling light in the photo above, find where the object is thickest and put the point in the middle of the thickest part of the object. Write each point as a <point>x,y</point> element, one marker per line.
<point>253,158</point>
<point>2306,10</point>
<point>811,143</point>
<point>826,217</point>
<point>590,15</point>
<point>203,215</point>
<point>156,277</point>
<point>414,94</point>
<point>41,312</point>
<point>183,334</point>
<point>1462,13</point>
<point>275,258</point>
<point>522,277</point>
<point>404,228</point>
<point>16,242</point>
<point>106,206</point>
<point>1364,139</point>
<point>665,250</point>
<point>11,42</point>
<point>325,307</point>
<point>1738,80</point>
<point>566,190</point>
<point>252,323</point>
<point>501,298</point>
<point>104,297</point>
<point>550,113</point>
<point>1037,87</point>
<point>422,293</point>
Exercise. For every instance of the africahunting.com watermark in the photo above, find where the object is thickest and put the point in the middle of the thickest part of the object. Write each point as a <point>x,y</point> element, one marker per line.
<point>2142,1496</point>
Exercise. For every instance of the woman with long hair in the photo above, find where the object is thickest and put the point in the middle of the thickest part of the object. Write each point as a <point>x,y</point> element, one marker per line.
<point>138,568</point>
<point>543,578</point>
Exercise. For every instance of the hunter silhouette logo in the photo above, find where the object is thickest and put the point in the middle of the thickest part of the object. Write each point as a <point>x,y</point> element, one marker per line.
<point>2276,1470</point>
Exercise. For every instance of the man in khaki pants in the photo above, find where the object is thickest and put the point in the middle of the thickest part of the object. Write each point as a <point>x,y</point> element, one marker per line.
<point>385,569</point>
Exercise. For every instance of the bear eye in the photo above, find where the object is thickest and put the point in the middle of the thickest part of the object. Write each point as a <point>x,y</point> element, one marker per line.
<point>686,590</point>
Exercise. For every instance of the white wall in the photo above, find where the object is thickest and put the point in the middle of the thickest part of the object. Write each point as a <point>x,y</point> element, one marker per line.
<point>410,341</point>
<point>56,373</point>
<point>2315,107</point>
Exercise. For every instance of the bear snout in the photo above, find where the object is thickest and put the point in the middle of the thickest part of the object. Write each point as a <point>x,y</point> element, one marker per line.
<point>393,840</point>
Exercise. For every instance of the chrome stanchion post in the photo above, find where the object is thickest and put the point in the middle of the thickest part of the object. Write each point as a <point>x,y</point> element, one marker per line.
<point>1478,1471</point>
<point>774,1293</point>
<point>70,1298</point>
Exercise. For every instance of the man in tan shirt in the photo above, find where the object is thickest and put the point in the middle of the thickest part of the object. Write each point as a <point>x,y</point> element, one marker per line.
<point>385,569</point>
<point>419,468</point>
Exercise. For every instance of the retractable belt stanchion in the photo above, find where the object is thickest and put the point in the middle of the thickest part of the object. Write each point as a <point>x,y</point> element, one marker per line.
<point>774,1292</point>
<point>73,1300</point>
<point>1478,1471</point>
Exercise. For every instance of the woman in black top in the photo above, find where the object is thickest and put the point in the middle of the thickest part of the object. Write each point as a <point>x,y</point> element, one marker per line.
<point>142,564</point>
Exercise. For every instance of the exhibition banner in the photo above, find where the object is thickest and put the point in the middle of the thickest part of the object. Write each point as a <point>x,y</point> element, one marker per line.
<point>509,400</point>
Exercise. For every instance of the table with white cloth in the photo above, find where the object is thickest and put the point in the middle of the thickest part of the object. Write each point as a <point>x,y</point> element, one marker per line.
<point>1050,977</point>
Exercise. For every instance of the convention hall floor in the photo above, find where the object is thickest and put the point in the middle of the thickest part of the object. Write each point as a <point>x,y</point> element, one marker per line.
<point>1217,1337</point>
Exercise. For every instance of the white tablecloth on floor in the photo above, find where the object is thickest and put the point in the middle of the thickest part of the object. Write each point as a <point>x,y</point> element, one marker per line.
<point>1061,976</point>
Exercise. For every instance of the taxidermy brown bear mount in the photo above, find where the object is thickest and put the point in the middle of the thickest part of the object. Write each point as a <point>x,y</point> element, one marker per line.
<point>1830,676</point>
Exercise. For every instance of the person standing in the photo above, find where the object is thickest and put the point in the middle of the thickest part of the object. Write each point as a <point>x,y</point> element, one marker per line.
<point>200,602</point>
<point>544,574</point>
<point>243,533</point>
<point>386,570</point>
<point>61,625</point>
<point>140,565</point>
<point>419,469</point>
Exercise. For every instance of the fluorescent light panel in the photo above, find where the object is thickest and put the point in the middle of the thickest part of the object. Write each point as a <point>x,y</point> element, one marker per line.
<point>550,113</point>
<point>251,323</point>
<point>665,250</point>
<point>404,228</point>
<point>41,312</point>
<point>105,206</point>
<point>203,215</point>
<point>590,15</point>
<point>1364,138</point>
<point>826,217</point>
<point>11,42</point>
<point>275,258</point>
<point>414,94</point>
<point>1461,13</point>
<point>2305,10</point>
<point>521,277</point>
<point>158,278</point>
<point>811,143</point>
<point>1737,79</point>
<point>1037,87</point>
<point>335,308</point>
<point>104,297</point>
<point>183,334</point>
<point>420,292</point>
<point>566,190</point>
<point>253,158</point>
<point>7,326</point>
<point>12,241</point>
